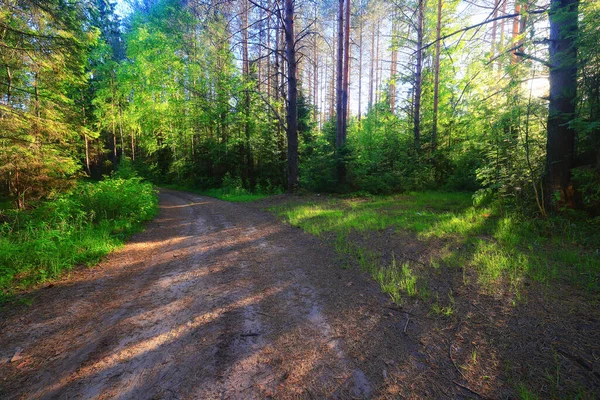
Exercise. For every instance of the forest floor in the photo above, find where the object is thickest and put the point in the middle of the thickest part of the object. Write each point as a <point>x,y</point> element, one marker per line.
<point>222,300</point>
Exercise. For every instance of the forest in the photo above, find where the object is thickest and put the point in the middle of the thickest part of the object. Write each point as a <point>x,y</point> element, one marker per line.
<point>497,98</point>
<point>424,141</point>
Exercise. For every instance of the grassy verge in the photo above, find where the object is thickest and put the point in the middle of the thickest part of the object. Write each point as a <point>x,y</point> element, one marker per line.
<point>75,228</point>
<point>227,194</point>
<point>479,239</point>
<point>232,190</point>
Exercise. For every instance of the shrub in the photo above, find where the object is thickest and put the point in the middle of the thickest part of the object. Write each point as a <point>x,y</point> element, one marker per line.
<point>78,227</point>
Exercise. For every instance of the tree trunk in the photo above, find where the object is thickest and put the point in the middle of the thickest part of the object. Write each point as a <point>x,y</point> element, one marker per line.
<point>436,78</point>
<point>418,77</point>
<point>515,32</point>
<point>371,71</point>
<point>560,145</point>
<point>346,80</point>
<point>85,138</point>
<point>246,76</point>
<point>393,66</point>
<point>9,85</point>
<point>377,67</point>
<point>315,71</point>
<point>340,77</point>
<point>292,114</point>
<point>360,55</point>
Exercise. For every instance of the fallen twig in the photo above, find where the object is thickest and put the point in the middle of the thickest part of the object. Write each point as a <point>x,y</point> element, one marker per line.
<point>407,321</point>
<point>453,363</point>
<point>251,334</point>
<point>469,389</point>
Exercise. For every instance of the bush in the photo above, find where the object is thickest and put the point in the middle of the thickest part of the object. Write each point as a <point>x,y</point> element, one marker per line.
<point>78,227</point>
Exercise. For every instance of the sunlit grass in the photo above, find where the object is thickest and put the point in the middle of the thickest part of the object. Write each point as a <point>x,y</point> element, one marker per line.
<point>76,228</point>
<point>495,246</point>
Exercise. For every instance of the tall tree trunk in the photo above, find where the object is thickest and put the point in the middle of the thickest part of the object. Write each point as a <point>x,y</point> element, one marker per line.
<point>377,63</point>
<point>315,70</point>
<point>332,88</point>
<point>360,61</point>
<point>371,71</point>
<point>418,76</point>
<point>340,77</point>
<point>292,114</point>
<point>85,138</point>
<point>9,85</point>
<point>393,65</point>
<point>436,78</point>
<point>560,145</point>
<point>346,81</point>
<point>113,125</point>
<point>515,31</point>
<point>246,75</point>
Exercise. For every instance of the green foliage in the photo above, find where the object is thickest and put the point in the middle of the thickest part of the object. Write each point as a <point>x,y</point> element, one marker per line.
<point>38,118</point>
<point>587,183</point>
<point>232,189</point>
<point>78,227</point>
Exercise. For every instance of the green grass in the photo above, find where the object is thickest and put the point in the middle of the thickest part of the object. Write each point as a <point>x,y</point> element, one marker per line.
<point>76,228</point>
<point>495,246</point>
<point>236,195</point>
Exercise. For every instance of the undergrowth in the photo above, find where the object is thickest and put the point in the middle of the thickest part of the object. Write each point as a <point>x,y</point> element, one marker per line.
<point>496,245</point>
<point>233,190</point>
<point>75,228</point>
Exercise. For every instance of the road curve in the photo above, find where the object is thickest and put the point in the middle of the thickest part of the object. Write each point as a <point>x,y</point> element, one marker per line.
<point>213,301</point>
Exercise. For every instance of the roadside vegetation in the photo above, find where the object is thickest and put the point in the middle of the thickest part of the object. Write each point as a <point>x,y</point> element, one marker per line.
<point>74,228</point>
<point>486,284</point>
<point>232,189</point>
<point>491,246</point>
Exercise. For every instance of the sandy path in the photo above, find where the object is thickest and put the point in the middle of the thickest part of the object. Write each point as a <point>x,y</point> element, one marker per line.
<point>214,300</point>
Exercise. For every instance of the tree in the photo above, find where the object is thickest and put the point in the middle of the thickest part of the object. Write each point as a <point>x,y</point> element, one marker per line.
<point>292,112</point>
<point>418,75</point>
<point>436,73</point>
<point>560,146</point>
<point>44,51</point>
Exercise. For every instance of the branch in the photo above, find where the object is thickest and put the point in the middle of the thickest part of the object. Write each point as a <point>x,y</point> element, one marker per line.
<point>534,58</point>
<point>487,21</point>
<point>279,119</point>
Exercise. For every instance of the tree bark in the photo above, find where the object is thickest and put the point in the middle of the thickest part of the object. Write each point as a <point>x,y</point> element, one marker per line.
<point>292,114</point>
<point>393,66</point>
<point>360,60</point>
<point>436,78</point>
<point>377,63</point>
<point>418,76</point>
<point>515,32</point>
<point>340,77</point>
<point>371,71</point>
<point>246,76</point>
<point>346,79</point>
<point>560,145</point>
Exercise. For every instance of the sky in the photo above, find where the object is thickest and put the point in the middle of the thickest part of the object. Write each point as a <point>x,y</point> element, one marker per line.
<point>122,8</point>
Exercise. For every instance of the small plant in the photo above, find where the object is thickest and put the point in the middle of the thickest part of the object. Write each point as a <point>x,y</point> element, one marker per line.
<point>443,311</point>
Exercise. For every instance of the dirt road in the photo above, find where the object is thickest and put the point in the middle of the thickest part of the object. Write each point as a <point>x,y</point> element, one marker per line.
<point>214,300</point>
